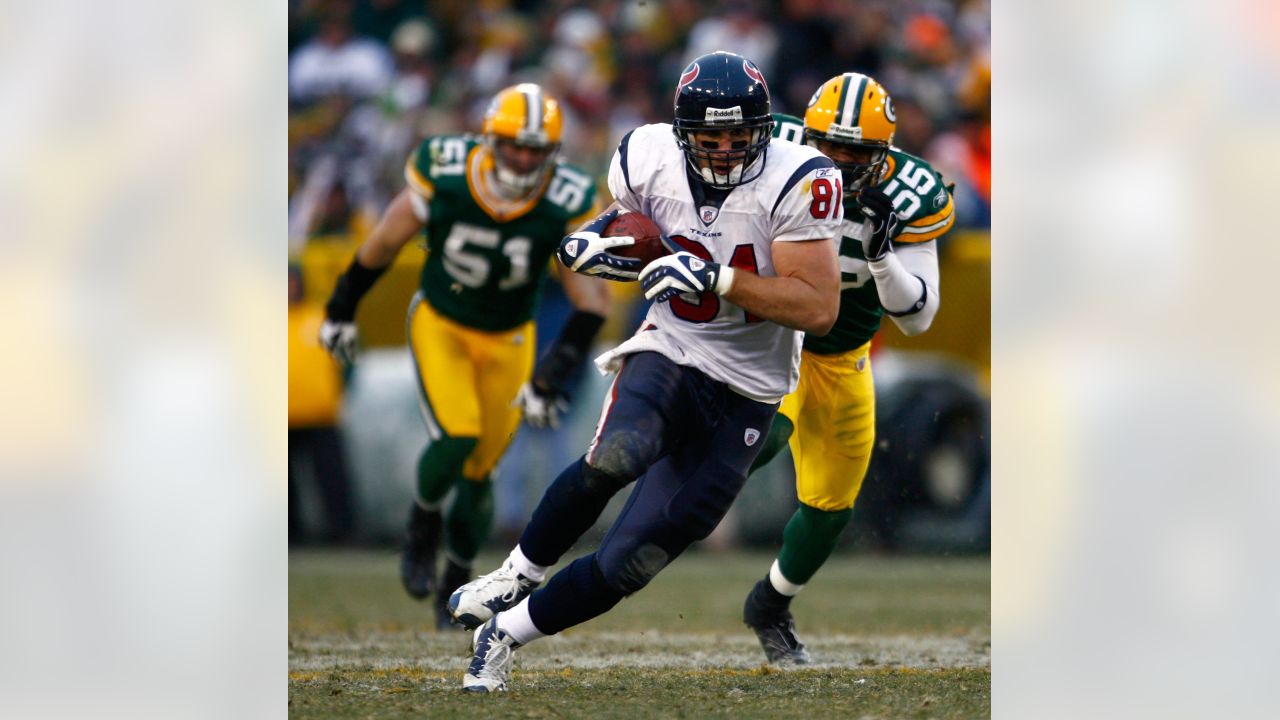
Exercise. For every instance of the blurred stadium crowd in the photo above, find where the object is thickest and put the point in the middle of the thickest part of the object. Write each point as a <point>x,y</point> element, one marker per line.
<point>369,78</point>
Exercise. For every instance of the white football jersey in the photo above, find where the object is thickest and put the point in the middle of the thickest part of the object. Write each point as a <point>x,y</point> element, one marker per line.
<point>796,197</point>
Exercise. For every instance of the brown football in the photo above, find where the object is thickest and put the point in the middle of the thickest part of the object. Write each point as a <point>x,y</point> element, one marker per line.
<point>648,237</point>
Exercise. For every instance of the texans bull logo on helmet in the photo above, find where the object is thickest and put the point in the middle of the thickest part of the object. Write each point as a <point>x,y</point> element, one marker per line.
<point>754,73</point>
<point>690,74</point>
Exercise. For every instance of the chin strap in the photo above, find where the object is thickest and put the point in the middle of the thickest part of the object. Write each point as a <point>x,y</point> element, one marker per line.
<point>735,175</point>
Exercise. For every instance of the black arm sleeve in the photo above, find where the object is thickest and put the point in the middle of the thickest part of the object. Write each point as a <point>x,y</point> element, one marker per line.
<point>352,285</point>
<point>566,354</point>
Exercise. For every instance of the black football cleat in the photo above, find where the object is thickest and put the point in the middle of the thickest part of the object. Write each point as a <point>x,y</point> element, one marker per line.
<point>775,628</point>
<point>418,560</point>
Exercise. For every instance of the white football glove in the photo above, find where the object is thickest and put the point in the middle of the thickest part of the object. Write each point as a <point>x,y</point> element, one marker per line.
<point>540,410</point>
<point>339,339</point>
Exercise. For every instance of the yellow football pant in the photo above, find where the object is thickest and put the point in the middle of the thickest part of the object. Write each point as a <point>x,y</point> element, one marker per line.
<point>468,379</point>
<point>834,412</point>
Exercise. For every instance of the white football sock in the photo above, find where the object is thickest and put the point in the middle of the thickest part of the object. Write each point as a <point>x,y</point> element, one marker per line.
<point>525,567</point>
<point>780,583</point>
<point>517,623</point>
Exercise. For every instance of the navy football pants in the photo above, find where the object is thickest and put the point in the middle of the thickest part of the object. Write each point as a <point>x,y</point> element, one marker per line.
<point>689,439</point>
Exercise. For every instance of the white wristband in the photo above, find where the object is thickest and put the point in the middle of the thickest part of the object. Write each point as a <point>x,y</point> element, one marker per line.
<point>724,281</point>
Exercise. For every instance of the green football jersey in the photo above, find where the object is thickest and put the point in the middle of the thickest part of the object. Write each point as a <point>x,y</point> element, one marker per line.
<point>486,258</point>
<point>925,205</point>
<point>788,127</point>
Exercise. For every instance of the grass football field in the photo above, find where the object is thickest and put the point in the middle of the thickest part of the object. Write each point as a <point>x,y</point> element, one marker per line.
<point>891,637</point>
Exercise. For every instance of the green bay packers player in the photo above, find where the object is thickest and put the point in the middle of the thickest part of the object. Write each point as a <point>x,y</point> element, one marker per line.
<point>895,206</point>
<point>494,210</point>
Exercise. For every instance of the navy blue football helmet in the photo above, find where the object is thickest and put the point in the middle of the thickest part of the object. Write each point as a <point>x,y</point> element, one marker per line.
<point>720,91</point>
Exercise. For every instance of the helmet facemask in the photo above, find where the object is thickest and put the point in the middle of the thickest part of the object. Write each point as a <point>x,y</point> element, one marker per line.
<point>855,174</point>
<point>514,174</point>
<point>738,158</point>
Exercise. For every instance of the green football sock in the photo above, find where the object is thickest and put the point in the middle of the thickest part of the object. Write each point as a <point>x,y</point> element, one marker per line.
<point>469,519</point>
<point>440,465</point>
<point>808,540</point>
<point>779,433</point>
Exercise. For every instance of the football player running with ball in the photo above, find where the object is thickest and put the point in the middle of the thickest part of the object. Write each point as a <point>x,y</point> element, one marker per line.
<point>494,209</point>
<point>753,221</point>
<point>895,206</point>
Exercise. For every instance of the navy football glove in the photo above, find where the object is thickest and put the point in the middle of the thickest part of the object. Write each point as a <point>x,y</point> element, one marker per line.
<point>885,223</point>
<point>683,273</point>
<point>586,252</point>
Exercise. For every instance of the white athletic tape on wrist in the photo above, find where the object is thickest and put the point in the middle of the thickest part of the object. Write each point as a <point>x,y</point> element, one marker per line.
<point>724,281</point>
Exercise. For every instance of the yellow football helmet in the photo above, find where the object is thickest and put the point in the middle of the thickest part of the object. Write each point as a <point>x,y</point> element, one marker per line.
<point>852,110</point>
<point>522,129</point>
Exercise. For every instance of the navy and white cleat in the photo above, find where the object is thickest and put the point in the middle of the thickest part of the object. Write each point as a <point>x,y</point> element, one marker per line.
<point>479,600</point>
<point>490,668</point>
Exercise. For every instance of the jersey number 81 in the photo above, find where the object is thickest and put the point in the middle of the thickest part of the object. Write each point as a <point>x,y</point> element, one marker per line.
<point>826,199</point>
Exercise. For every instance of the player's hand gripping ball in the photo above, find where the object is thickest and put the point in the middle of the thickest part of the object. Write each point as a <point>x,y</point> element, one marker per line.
<point>589,253</point>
